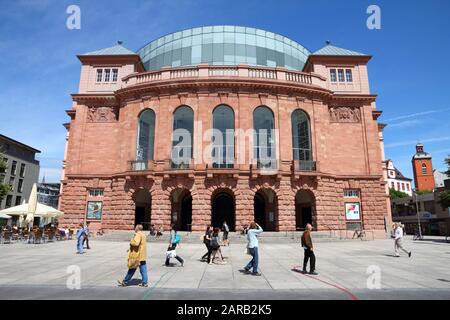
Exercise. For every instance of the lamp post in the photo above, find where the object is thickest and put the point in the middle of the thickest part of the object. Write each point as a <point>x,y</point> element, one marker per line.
<point>418,213</point>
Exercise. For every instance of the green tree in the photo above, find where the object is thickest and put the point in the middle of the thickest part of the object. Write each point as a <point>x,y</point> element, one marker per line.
<point>4,188</point>
<point>447,161</point>
<point>394,194</point>
<point>421,192</point>
<point>444,197</point>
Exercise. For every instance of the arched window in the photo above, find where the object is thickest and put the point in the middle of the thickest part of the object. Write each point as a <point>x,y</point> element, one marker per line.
<point>223,137</point>
<point>146,137</point>
<point>182,137</point>
<point>301,136</point>
<point>424,169</point>
<point>264,137</point>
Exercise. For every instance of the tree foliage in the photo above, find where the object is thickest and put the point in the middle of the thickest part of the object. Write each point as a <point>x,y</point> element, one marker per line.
<point>421,192</point>
<point>444,197</point>
<point>394,194</point>
<point>4,188</point>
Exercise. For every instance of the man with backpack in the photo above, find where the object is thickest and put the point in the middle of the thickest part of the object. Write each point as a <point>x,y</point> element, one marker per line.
<point>174,240</point>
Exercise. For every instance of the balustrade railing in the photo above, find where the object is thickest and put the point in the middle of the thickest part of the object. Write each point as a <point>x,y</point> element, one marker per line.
<point>184,73</point>
<point>241,71</point>
<point>262,73</point>
<point>223,71</point>
<point>305,165</point>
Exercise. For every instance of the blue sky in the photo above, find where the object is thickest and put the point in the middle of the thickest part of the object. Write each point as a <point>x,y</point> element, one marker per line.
<point>409,70</point>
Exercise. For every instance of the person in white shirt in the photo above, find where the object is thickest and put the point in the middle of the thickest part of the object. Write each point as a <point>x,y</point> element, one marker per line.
<point>398,238</point>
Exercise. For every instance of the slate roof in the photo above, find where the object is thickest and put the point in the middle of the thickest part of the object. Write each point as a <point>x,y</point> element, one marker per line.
<point>117,50</point>
<point>330,50</point>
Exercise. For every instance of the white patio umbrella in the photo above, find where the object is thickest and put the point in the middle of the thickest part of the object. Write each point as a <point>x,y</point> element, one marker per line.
<point>32,204</point>
<point>42,211</point>
<point>4,216</point>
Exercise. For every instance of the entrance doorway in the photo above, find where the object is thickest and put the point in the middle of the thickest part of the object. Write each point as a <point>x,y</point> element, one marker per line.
<point>265,209</point>
<point>143,207</point>
<point>182,209</point>
<point>223,209</point>
<point>304,203</point>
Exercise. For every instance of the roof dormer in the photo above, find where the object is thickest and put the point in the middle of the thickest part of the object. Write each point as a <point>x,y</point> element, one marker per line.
<point>345,70</point>
<point>102,70</point>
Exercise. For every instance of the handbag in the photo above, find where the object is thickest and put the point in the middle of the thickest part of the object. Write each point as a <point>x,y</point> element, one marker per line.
<point>171,254</point>
<point>133,259</point>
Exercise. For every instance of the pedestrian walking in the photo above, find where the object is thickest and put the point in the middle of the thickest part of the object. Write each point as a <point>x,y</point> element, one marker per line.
<point>137,257</point>
<point>80,238</point>
<point>207,242</point>
<point>309,251</point>
<point>215,246</point>
<point>173,242</point>
<point>398,240</point>
<point>226,230</point>
<point>86,235</point>
<point>252,248</point>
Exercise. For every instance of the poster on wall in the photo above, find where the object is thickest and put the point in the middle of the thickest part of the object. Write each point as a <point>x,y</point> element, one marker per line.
<point>352,211</point>
<point>94,210</point>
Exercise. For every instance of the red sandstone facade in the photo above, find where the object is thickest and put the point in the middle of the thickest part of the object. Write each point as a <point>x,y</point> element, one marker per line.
<point>345,136</point>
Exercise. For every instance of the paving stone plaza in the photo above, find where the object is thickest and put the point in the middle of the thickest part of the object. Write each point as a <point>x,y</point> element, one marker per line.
<point>41,271</point>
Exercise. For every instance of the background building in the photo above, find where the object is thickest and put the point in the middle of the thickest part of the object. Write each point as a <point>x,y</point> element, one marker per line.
<point>22,171</point>
<point>315,154</point>
<point>434,219</point>
<point>396,180</point>
<point>48,193</point>
<point>423,169</point>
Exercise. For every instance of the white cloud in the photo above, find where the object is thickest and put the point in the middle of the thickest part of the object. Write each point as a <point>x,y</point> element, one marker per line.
<point>418,114</point>
<point>403,124</point>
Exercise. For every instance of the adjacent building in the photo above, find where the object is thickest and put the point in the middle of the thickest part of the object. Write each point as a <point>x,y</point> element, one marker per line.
<point>22,170</point>
<point>225,123</point>
<point>423,170</point>
<point>48,193</point>
<point>396,180</point>
<point>434,219</point>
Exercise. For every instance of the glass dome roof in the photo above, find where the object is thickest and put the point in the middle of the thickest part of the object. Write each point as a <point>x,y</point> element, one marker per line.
<point>223,45</point>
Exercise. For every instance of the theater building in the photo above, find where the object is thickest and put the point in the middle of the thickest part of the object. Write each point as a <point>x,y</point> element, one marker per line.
<point>225,123</point>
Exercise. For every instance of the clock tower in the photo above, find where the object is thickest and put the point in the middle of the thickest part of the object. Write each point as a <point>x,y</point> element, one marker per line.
<point>423,169</point>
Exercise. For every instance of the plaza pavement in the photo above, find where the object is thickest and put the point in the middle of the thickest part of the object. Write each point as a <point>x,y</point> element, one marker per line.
<point>40,272</point>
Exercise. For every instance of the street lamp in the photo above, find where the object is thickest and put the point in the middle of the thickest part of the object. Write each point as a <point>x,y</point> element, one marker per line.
<point>418,213</point>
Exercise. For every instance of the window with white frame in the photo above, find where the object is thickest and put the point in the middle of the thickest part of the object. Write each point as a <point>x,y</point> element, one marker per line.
<point>341,75</point>
<point>99,75</point>
<point>96,193</point>
<point>107,75</point>
<point>333,76</point>
<point>348,75</point>
<point>115,74</point>
<point>351,193</point>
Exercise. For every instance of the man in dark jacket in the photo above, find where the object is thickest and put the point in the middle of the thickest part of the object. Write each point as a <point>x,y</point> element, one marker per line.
<point>309,251</point>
